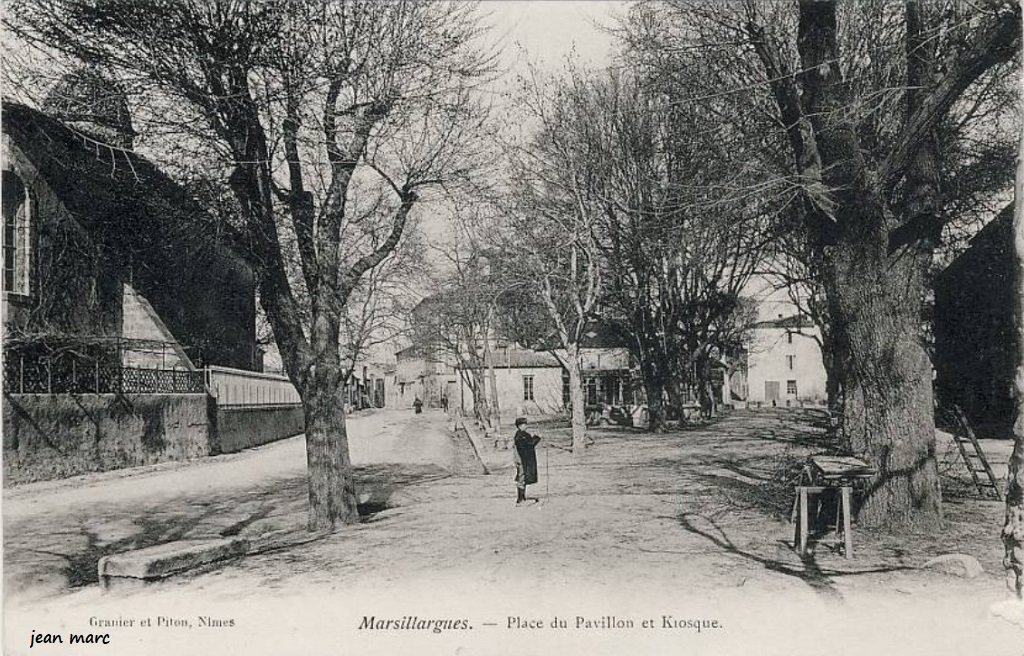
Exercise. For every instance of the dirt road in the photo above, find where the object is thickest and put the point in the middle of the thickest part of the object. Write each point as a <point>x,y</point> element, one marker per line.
<point>55,532</point>
<point>649,544</point>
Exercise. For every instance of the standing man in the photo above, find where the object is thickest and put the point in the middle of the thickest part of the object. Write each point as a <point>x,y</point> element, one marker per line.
<point>525,458</point>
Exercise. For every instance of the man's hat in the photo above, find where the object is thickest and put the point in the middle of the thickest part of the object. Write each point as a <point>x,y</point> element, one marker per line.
<point>520,421</point>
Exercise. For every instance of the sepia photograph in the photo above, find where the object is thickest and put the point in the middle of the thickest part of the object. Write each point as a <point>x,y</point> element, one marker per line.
<point>512,327</point>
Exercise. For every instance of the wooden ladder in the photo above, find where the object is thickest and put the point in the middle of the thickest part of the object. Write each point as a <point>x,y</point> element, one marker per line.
<point>974,457</point>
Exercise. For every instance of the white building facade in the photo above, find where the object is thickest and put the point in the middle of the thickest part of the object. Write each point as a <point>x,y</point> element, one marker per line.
<point>784,364</point>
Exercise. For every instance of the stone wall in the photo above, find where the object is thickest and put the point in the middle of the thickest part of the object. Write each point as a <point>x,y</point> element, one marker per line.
<point>48,436</point>
<point>234,429</point>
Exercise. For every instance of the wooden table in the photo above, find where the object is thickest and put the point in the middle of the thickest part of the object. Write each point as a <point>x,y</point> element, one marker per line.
<point>821,474</point>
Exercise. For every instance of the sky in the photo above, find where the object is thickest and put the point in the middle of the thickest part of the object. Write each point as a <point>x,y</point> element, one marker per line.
<point>541,33</point>
<point>545,31</point>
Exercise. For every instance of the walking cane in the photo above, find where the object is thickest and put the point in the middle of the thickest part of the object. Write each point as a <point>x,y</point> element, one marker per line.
<point>547,473</point>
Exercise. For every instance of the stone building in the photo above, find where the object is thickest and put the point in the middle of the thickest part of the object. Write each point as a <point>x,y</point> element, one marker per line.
<point>784,365</point>
<point>527,381</point>
<point>119,293</point>
<point>104,250</point>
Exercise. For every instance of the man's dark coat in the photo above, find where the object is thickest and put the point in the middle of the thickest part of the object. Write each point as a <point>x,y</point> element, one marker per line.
<point>526,457</point>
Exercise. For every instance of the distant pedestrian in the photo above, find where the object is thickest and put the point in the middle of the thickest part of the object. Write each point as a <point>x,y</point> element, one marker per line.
<point>418,405</point>
<point>525,458</point>
<point>707,404</point>
<point>444,403</point>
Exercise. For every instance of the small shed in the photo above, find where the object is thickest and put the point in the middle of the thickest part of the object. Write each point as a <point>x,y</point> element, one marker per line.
<point>974,333</point>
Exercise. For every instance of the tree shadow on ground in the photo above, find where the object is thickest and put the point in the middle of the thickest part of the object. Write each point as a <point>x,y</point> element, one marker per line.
<point>81,568</point>
<point>768,487</point>
<point>800,435</point>
<point>817,578</point>
<point>241,525</point>
<point>378,483</point>
<point>226,514</point>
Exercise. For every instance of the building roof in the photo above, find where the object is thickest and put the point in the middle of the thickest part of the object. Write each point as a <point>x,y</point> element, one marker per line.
<point>519,358</point>
<point>514,357</point>
<point>602,335</point>
<point>116,194</point>
<point>94,103</point>
<point>415,352</point>
<point>992,242</point>
<point>151,230</point>
<point>793,322</point>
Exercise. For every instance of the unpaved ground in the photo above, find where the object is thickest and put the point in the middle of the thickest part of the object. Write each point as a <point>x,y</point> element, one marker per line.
<point>690,524</point>
<point>56,531</point>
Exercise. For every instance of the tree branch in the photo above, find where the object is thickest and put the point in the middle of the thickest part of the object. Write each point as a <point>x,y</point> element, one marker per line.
<point>996,42</point>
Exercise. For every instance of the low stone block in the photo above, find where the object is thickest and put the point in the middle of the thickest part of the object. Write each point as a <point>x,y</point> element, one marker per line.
<point>282,539</point>
<point>960,565</point>
<point>170,558</point>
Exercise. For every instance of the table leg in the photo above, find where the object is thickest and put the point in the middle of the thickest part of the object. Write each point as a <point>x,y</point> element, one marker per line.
<point>803,521</point>
<point>839,515</point>
<point>847,533</point>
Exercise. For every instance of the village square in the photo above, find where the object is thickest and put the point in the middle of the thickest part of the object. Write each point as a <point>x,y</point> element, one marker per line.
<point>669,327</point>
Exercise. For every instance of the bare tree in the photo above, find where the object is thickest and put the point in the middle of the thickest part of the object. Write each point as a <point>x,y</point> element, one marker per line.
<point>553,212</point>
<point>871,105</point>
<point>379,307</point>
<point>457,322</point>
<point>676,251</point>
<point>303,103</point>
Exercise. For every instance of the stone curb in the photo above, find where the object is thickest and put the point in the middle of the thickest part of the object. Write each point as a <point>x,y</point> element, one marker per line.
<point>479,448</point>
<point>141,566</point>
<point>164,560</point>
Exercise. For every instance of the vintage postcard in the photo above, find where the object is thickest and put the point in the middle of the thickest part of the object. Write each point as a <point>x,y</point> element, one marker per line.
<point>674,327</point>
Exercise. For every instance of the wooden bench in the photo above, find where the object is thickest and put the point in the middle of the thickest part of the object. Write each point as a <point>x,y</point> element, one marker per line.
<point>838,475</point>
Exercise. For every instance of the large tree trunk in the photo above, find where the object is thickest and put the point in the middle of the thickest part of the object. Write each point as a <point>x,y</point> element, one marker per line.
<point>874,281</point>
<point>1013,529</point>
<point>833,382</point>
<point>654,387</point>
<point>705,393</point>
<point>481,407</point>
<point>332,494</point>
<point>576,400</point>
<point>495,413</point>
<point>886,381</point>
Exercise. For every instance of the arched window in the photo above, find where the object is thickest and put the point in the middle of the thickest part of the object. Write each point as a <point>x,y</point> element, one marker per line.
<point>16,238</point>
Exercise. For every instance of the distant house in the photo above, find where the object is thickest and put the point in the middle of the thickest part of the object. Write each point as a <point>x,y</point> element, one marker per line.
<point>784,364</point>
<point>528,382</point>
<point>103,249</point>
<point>610,372</point>
<point>367,387</point>
<point>974,332</point>
<point>420,373</point>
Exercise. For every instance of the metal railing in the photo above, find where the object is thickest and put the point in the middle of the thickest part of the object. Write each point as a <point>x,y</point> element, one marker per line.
<point>69,374</point>
<point>99,365</point>
<point>241,388</point>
